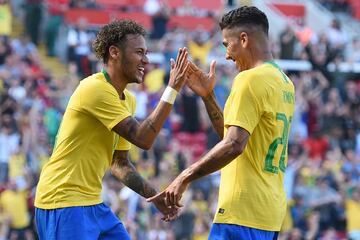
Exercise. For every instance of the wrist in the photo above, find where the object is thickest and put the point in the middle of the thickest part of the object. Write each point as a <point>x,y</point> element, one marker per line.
<point>184,177</point>
<point>173,86</point>
<point>169,95</point>
<point>209,96</point>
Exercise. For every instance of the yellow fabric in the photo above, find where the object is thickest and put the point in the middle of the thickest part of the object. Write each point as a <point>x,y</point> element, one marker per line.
<point>5,19</point>
<point>201,236</point>
<point>287,225</point>
<point>250,194</point>
<point>154,80</point>
<point>84,145</point>
<point>200,52</point>
<point>16,165</point>
<point>352,215</point>
<point>14,205</point>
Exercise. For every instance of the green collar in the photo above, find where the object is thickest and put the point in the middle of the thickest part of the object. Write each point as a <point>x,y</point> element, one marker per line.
<point>108,79</point>
<point>272,63</point>
<point>106,74</point>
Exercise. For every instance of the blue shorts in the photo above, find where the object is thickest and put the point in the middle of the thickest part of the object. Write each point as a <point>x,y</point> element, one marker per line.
<point>75,223</point>
<point>237,232</point>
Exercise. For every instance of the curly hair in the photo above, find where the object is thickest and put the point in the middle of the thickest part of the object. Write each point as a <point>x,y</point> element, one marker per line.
<point>250,16</point>
<point>115,33</point>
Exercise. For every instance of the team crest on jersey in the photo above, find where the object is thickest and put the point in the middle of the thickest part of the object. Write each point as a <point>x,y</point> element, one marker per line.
<point>221,211</point>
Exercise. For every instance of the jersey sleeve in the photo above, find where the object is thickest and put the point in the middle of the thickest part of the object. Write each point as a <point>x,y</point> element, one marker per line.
<point>123,144</point>
<point>104,104</point>
<point>244,110</point>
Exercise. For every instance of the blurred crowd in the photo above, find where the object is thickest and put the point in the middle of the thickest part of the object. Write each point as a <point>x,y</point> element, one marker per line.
<point>323,172</point>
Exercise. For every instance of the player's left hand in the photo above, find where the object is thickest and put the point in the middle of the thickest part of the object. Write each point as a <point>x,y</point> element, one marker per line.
<point>172,194</point>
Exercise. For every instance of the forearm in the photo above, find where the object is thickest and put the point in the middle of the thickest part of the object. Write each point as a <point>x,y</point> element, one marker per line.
<point>221,155</point>
<point>143,134</point>
<point>151,126</point>
<point>128,175</point>
<point>215,114</point>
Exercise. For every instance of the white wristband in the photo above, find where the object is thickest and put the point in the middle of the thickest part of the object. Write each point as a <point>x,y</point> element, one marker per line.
<point>169,95</point>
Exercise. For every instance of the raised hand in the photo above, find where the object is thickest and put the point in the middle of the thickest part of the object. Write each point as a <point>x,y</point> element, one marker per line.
<point>179,69</point>
<point>172,194</point>
<point>200,82</point>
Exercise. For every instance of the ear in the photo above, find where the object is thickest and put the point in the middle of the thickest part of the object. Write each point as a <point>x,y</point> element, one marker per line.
<point>244,39</point>
<point>114,52</point>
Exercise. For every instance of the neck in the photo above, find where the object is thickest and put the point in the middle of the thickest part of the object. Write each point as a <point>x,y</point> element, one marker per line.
<point>261,53</point>
<point>115,79</point>
<point>259,50</point>
<point>264,56</point>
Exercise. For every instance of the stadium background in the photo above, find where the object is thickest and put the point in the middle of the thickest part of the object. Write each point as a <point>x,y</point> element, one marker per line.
<point>45,50</point>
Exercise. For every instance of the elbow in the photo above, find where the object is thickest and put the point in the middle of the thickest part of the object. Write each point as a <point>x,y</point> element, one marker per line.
<point>145,146</point>
<point>237,151</point>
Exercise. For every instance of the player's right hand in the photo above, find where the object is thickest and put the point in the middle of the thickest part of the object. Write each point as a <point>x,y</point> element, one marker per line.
<point>178,72</point>
<point>169,212</point>
<point>200,82</point>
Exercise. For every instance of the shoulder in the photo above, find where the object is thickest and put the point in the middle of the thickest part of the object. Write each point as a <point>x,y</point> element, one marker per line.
<point>96,84</point>
<point>250,80</point>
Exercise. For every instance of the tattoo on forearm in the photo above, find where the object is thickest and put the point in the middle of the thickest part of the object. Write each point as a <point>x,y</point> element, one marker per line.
<point>128,175</point>
<point>151,125</point>
<point>214,110</point>
<point>215,114</point>
<point>134,181</point>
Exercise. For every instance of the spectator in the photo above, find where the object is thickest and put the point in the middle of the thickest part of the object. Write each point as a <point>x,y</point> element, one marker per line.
<point>353,214</point>
<point>6,18</point>
<point>14,202</point>
<point>33,17</point>
<point>287,43</point>
<point>79,47</point>
<point>56,10</point>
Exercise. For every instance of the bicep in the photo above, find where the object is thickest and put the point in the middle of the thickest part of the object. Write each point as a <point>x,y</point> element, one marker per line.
<point>127,128</point>
<point>238,136</point>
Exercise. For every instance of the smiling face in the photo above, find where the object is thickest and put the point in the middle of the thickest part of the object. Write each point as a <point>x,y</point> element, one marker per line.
<point>133,59</point>
<point>236,43</point>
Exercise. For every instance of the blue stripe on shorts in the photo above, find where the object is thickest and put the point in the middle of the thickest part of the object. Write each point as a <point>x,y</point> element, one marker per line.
<point>237,232</point>
<point>95,222</point>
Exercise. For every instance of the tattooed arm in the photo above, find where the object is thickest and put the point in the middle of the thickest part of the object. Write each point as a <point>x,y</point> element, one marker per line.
<point>203,84</point>
<point>122,169</point>
<point>222,154</point>
<point>215,114</point>
<point>143,134</point>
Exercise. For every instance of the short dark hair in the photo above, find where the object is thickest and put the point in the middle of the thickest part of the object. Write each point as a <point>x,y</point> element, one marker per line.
<point>115,33</point>
<point>245,15</point>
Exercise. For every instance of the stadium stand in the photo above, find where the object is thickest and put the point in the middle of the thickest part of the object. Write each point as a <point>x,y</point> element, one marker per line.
<point>323,172</point>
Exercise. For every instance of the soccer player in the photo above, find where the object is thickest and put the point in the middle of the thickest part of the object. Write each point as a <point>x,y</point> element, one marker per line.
<point>254,129</point>
<point>95,134</point>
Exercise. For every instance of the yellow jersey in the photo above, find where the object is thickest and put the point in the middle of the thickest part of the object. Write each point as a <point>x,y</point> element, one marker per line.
<point>14,204</point>
<point>84,146</point>
<point>352,209</point>
<point>5,19</point>
<point>251,190</point>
